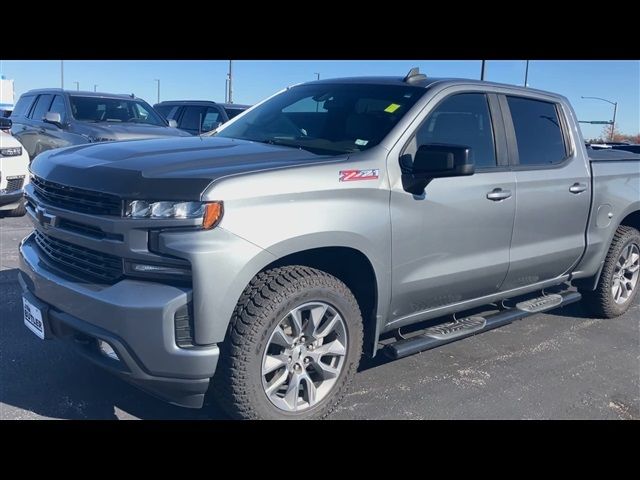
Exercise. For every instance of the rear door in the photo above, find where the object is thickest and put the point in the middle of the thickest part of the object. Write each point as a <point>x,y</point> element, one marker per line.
<point>553,188</point>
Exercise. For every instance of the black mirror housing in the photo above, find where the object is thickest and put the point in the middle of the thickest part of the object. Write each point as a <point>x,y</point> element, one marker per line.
<point>5,123</point>
<point>434,161</point>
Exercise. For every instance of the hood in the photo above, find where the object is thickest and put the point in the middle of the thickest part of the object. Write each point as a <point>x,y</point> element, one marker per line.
<point>163,169</point>
<point>131,131</point>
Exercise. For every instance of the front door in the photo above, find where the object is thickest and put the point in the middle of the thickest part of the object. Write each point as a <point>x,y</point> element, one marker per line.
<point>452,243</point>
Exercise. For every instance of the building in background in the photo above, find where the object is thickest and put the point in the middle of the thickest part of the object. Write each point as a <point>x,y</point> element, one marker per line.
<point>6,96</point>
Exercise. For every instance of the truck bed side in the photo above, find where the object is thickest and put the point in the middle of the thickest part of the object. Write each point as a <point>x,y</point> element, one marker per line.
<point>615,183</point>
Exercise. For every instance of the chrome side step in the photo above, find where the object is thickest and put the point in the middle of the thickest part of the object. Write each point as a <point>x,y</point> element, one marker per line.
<point>449,332</point>
<point>540,304</point>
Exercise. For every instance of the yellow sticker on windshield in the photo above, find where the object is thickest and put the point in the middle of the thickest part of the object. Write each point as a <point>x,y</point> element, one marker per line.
<point>392,108</point>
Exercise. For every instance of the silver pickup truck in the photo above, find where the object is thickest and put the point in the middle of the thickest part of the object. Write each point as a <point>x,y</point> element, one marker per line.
<point>336,219</point>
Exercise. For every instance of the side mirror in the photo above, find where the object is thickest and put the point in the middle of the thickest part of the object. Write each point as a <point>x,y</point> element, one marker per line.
<point>5,123</point>
<point>173,123</point>
<point>54,118</point>
<point>434,161</point>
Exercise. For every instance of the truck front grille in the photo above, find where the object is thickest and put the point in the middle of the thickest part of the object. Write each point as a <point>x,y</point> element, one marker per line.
<point>76,199</point>
<point>83,262</point>
<point>14,183</point>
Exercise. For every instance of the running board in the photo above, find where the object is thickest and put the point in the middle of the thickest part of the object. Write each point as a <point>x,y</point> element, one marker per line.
<point>449,332</point>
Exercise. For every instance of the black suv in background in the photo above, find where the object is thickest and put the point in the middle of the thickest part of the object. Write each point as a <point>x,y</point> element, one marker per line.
<point>199,116</point>
<point>54,118</point>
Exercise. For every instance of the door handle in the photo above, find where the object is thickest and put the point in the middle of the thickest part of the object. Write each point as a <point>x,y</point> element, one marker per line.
<point>498,194</point>
<point>577,188</point>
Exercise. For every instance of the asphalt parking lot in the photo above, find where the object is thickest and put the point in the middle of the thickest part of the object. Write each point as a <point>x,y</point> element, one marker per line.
<point>562,365</point>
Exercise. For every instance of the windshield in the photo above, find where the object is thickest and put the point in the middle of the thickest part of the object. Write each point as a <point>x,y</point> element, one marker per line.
<point>326,118</point>
<point>97,109</point>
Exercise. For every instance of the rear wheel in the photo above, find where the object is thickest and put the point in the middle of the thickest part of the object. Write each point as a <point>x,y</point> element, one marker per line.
<point>618,283</point>
<point>294,344</point>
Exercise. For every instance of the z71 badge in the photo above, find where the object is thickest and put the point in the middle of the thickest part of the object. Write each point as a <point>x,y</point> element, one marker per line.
<point>353,175</point>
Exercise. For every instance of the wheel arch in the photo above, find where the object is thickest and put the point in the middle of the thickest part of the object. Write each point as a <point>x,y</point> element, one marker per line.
<point>352,267</point>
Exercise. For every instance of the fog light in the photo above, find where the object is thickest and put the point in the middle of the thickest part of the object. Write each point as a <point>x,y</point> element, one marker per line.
<point>107,350</point>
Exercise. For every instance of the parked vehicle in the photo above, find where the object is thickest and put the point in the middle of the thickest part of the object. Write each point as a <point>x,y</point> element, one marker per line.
<point>5,125</point>
<point>199,116</point>
<point>53,118</point>
<point>336,218</point>
<point>14,173</point>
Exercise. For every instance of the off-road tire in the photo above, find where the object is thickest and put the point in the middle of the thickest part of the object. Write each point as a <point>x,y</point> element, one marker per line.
<point>600,301</point>
<point>237,384</point>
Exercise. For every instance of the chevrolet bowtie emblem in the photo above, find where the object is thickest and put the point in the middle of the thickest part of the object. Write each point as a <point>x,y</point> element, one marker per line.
<point>45,219</point>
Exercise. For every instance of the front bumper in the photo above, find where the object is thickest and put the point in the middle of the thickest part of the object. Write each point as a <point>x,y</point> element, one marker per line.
<point>135,317</point>
<point>10,199</point>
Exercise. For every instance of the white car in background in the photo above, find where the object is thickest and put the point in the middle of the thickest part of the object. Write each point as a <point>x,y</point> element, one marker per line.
<point>14,174</point>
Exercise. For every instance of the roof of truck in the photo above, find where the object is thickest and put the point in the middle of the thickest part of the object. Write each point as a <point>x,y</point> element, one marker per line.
<point>424,81</point>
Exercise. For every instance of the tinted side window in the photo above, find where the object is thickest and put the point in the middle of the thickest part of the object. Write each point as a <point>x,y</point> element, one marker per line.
<point>23,106</point>
<point>191,118</point>
<point>58,107</point>
<point>233,112</point>
<point>538,132</point>
<point>210,119</point>
<point>41,107</point>
<point>167,111</point>
<point>462,119</point>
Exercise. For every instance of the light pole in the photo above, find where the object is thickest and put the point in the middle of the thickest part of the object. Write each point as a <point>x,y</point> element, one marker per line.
<point>615,108</point>
<point>526,74</point>
<point>77,86</point>
<point>317,75</point>
<point>62,74</point>
<point>95,87</point>
<point>158,80</point>
<point>482,70</point>
<point>230,84</point>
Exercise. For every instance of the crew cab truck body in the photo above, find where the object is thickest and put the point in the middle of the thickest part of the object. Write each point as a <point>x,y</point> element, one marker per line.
<point>259,263</point>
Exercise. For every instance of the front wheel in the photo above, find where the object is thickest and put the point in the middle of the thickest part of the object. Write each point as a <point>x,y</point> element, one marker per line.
<point>618,283</point>
<point>294,344</point>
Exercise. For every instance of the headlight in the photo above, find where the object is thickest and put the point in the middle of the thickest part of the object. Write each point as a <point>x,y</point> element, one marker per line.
<point>209,212</point>
<point>11,151</point>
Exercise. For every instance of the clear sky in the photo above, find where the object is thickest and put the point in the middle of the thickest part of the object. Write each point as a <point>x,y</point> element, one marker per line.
<point>254,80</point>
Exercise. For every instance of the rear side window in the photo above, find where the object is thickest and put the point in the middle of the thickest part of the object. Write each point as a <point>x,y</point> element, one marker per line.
<point>22,107</point>
<point>41,107</point>
<point>538,131</point>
